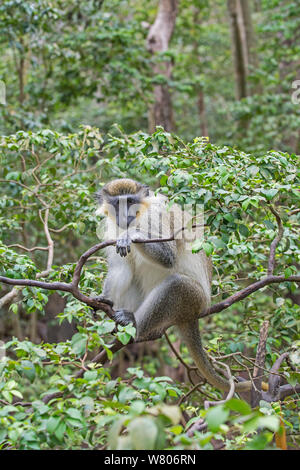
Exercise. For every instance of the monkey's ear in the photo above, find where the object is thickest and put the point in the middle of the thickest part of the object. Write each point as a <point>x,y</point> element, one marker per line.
<point>99,197</point>
<point>145,189</point>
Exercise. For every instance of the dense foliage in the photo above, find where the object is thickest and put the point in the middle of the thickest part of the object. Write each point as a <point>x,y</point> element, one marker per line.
<point>60,173</point>
<point>79,85</point>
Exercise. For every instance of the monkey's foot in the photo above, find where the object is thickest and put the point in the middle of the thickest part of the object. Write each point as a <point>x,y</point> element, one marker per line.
<point>124,317</point>
<point>123,246</point>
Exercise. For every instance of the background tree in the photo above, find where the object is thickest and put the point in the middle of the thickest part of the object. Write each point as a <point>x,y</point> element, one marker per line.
<point>160,33</point>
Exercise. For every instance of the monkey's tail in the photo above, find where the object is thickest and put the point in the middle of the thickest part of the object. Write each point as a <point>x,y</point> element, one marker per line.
<point>191,337</point>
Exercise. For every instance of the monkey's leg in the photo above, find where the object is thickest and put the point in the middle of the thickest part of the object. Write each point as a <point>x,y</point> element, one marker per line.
<point>174,299</point>
<point>178,300</point>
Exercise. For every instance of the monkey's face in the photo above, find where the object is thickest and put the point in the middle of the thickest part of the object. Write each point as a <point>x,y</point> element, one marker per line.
<point>123,201</point>
<point>123,209</point>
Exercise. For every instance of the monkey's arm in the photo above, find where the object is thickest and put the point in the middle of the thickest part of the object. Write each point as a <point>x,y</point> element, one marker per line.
<point>162,253</point>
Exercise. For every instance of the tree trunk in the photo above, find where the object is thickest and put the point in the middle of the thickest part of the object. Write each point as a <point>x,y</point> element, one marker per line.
<point>248,40</point>
<point>238,49</point>
<point>243,42</point>
<point>161,113</point>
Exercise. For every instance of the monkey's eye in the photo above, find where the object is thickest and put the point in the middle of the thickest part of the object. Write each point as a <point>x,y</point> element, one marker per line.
<point>130,200</point>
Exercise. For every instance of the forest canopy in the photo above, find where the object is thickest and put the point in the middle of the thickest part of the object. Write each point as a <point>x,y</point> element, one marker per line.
<point>199,100</point>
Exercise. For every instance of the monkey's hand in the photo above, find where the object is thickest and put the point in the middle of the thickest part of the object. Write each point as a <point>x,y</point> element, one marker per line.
<point>124,317</point>
<point>123,245</point>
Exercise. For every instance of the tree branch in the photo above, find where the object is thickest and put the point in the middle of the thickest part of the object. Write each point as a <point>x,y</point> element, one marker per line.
<point>256,391</point>
<point>274,380</point>
<point>243,293</point>
<point>74,290</point>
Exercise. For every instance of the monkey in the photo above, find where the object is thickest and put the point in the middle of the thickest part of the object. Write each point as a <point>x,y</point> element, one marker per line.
<point>155,285</point>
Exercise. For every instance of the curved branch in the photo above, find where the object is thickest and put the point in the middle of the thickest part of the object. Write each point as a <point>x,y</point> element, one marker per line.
<point>243,293</point>
<point>84,257</point>
<point>35,248</point>
<point>283,392</point>
<point>9,297</point>
<point>274,380</point>
<point>287,390</point>
<point>50,243</point>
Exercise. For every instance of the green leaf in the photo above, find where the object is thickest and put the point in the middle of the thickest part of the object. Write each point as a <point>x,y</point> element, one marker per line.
<point>60,430</point>
<point>52,423</point>
<point>208,248</point>
<point>269,422</point>
<point>176,429</point>
<point>197,245</point>
<point>78,344</point>
<point>243,230</point>
<point>216,416</point>
<point>28,370</point>
<point>126,394</point>
<point>294,378</point>
<point>17,393</point>
<point>143,433</point>
<point>137,407</point>
<point>8,396</point>
<point>90,375</point>
<point>74,413</point>
<point>259,442</point>
<point>288,272</point>
<point>113,434</point>
<point>238,405</point>
<point>14,308</point>
<point>269,193</point>
<point>123,337</point>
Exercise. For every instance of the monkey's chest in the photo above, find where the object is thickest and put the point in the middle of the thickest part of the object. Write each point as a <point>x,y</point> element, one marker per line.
<point>148,274</point>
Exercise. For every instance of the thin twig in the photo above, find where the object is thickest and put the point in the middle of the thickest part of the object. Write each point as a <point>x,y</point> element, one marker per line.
<point>193,389</point>
<point>34,248</point>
